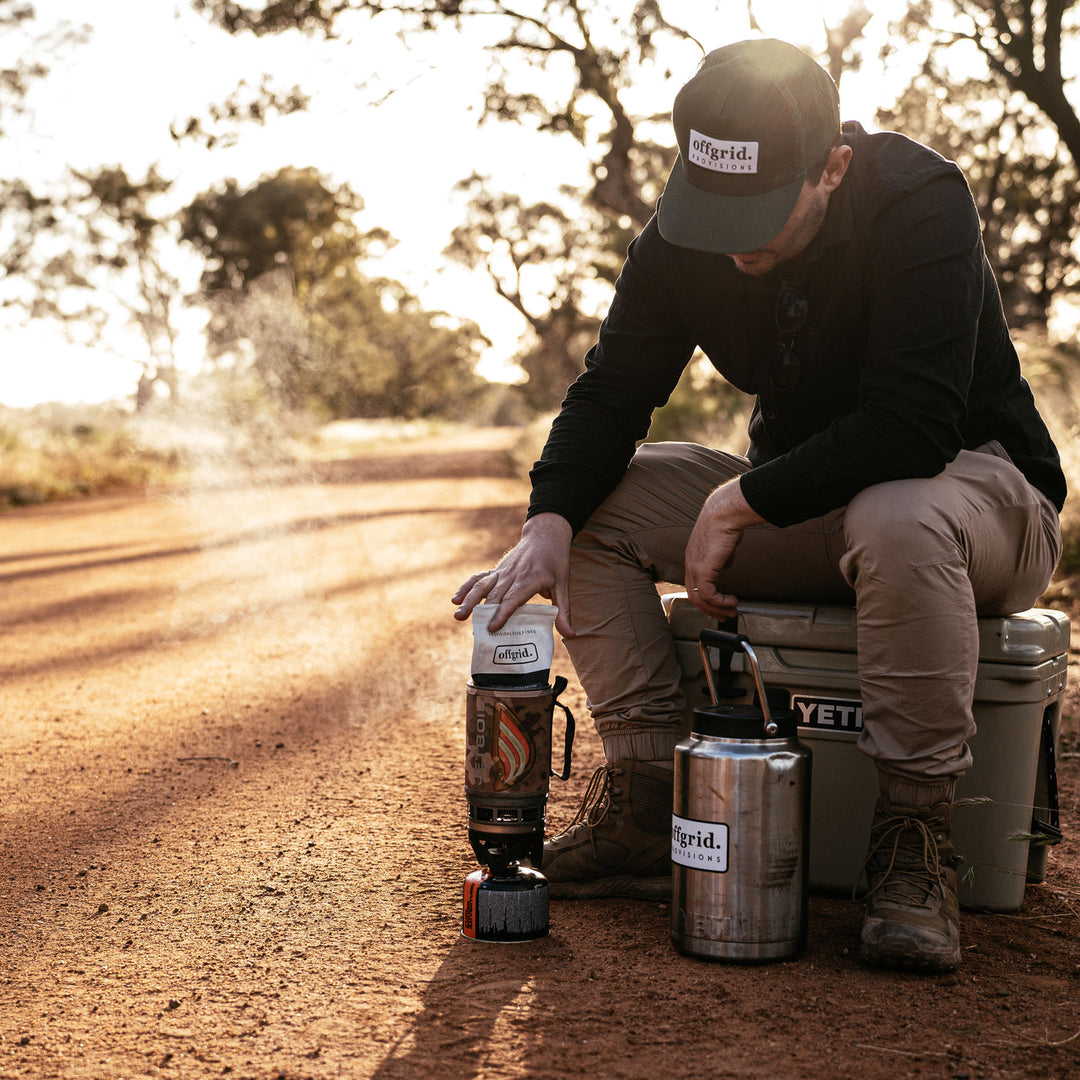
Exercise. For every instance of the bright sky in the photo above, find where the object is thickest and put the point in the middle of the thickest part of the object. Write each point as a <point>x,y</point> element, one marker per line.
<point>398,124</point>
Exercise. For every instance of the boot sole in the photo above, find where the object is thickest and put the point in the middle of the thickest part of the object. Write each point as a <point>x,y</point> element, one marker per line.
<point>625,887</point>
<point>901,952</point>
<point>901,961</point>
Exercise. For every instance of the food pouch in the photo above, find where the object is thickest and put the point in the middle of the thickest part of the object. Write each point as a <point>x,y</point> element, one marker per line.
<point>517,655</point>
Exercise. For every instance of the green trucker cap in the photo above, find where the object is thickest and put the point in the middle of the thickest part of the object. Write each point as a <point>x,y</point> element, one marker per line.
<point>752,121</point>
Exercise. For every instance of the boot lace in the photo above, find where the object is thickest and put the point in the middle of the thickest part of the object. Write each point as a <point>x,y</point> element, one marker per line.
<point>596,802</point>
<point>908,869</point>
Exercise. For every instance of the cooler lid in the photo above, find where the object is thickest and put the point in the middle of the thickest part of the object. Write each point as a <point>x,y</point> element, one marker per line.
<point>1026,637</point>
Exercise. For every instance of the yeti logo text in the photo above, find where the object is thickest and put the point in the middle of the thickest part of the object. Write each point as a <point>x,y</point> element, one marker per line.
<point>516,654</point>
<point>829,714</point>
<point>722,155</point>
<point>701,845</point>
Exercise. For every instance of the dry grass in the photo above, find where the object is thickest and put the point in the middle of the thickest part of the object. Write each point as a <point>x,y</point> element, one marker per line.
<point>58,452</point>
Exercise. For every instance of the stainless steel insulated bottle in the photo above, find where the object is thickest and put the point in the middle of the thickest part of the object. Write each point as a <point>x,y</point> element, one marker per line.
<point>740,833</point>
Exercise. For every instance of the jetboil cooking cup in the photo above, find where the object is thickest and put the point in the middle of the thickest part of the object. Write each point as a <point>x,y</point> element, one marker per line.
<point>740,832</point>
<point>507,767</point>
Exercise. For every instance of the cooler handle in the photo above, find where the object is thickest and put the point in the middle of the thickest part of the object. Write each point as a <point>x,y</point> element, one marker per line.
<point>1049,832</point>
<point>721,639</point>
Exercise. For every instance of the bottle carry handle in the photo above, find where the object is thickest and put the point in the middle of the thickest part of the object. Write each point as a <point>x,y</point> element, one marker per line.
<point>721,639</point>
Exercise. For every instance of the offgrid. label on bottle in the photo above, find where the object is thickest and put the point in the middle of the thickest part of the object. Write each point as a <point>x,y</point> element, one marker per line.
<point>700,845</point>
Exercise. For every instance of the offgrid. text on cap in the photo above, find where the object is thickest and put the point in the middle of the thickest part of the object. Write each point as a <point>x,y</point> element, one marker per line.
<point>722,155</point>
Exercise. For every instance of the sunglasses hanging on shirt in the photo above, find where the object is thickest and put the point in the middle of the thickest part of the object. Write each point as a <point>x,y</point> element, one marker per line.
<point>792,311</point>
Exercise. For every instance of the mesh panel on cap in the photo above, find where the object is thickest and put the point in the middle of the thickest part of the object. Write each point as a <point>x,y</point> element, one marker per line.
<point>805,83</point>
<point>809,89</point>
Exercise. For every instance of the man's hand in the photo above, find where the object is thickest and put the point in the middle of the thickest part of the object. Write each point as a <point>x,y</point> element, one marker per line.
<point>711,548</point>
<point>539,564</point>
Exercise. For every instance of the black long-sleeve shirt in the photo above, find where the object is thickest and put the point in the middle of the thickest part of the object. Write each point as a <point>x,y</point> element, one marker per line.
<point>905,357</point>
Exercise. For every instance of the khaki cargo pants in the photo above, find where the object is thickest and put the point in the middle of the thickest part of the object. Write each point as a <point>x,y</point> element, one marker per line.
<point>920,559</point>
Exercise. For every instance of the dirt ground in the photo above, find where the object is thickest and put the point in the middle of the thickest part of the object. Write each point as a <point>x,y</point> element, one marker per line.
<point>232,827</point>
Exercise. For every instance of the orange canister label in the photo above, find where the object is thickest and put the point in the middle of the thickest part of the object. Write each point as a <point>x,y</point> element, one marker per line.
<point>472,888</point>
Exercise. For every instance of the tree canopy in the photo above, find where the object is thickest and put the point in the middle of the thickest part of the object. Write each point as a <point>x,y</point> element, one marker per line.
<point>24,211</point>
<point>290,307</point>
<point>288,300</point>
<point>1010,124</point>
<point>1013,127</point>
<point>107,232</point>
<point>992,91</point>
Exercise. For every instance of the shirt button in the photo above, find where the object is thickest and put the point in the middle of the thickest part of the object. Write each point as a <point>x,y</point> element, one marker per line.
<point>770,415</point>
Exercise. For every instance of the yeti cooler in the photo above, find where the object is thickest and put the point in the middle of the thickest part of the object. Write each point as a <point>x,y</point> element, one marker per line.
<point>1008,801</point>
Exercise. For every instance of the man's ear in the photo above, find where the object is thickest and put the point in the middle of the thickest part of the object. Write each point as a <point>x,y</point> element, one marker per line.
<point>836,167</point>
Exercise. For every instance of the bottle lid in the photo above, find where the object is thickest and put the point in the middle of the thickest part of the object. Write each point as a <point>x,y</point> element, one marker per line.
<point>747,721</point>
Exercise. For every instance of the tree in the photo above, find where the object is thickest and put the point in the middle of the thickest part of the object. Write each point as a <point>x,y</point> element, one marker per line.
<point>576,245</point>
<point>17,16</point>
<point>288,300</point>
<point>1021,181</point>
<point>292,218</point>
<point>555,260</point>
<point>1014,128</point>
<point>554,264</point>
<point>246,105</point>
<point>61,249</point>
<point>25,215</point>
<point>24,212</point>
<point>56,245</point>
<point>110,256</point>
<point>1020,42</point>
<point>385,355</point>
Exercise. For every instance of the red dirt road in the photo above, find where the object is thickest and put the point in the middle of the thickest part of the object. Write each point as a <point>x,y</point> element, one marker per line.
<point>232,828</point>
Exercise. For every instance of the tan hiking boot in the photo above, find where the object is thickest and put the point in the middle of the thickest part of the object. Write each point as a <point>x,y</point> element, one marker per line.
<point>912,912</point>
<point>619,843</point>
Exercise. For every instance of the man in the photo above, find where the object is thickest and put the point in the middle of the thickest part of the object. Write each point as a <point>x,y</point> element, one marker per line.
<point>896,461</point>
